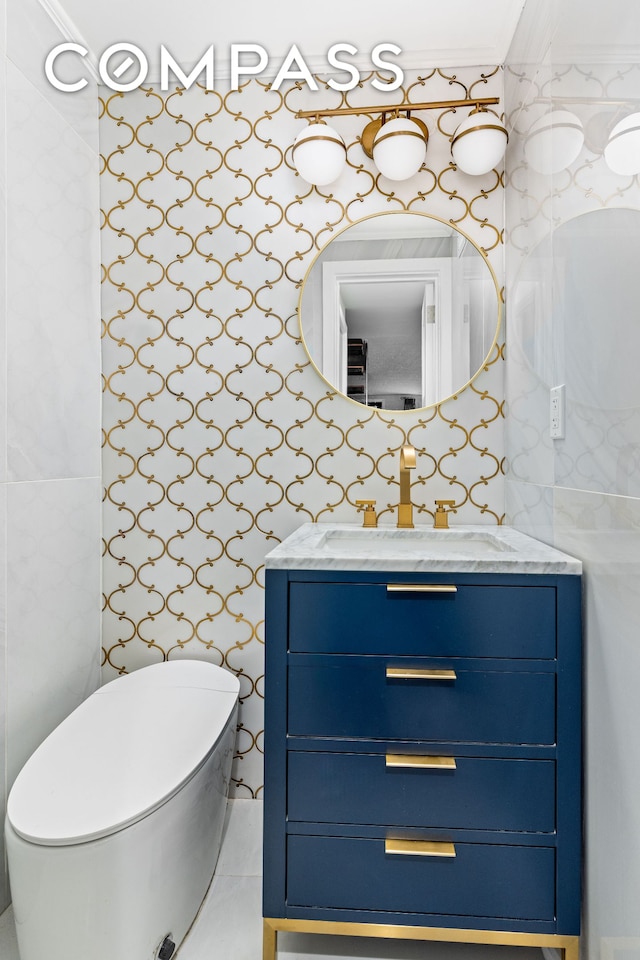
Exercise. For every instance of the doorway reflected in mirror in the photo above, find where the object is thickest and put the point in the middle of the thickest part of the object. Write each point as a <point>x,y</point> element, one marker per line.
<point>399,310</point>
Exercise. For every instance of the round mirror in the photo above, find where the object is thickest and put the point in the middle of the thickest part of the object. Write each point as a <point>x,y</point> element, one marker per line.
<point>399,311</point>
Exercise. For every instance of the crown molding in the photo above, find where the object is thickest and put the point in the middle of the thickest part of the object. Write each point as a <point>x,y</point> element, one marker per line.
<point>585,54</point>
<point>69,31</point>
<point>413,61</point>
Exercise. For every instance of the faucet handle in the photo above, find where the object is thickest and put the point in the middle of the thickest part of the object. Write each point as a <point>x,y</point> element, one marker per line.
<point>370,516</point>
<point>441,516</point>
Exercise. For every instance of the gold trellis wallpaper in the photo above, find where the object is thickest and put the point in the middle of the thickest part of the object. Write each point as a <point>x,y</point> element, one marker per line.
<point>219,436</point>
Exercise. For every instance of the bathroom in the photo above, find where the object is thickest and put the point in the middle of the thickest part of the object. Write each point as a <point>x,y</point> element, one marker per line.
<point>193,439</point>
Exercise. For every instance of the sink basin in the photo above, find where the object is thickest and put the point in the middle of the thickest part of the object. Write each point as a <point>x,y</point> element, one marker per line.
<point>462,548</point>
<point>388,542</point>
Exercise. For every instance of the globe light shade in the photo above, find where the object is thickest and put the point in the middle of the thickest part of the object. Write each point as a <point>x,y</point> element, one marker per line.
<point>479,143</point>
<point>622,152</point>
<point>554,141</point>
<point>400,147</point>
<point>319,154</point>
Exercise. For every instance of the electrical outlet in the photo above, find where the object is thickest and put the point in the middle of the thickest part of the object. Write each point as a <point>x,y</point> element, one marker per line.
<point>556,412</point>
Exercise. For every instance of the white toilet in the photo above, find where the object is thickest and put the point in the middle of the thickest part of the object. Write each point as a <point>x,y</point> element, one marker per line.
<point>113,826</point>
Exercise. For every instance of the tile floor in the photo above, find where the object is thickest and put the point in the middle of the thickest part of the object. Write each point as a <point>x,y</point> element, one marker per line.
<point>229,925</point>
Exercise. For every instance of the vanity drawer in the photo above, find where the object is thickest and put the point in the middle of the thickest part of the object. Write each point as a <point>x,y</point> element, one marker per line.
<point>481,880</point>
<point>354,697</point>
<point>474,793</point>
<point>432,620</point>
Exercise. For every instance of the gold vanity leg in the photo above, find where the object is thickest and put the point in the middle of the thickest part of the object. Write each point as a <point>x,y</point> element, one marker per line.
<point>572,949</point>
<point>269,942</point>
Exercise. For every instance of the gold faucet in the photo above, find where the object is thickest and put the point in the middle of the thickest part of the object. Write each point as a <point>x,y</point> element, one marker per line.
<point>405,508</point>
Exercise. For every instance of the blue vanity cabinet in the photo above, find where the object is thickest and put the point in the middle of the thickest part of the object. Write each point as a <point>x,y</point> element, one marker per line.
<point>423,756</point>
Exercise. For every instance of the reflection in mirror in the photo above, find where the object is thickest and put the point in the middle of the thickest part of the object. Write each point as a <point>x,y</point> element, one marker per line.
<point>573,321</point>
<point>399,311</point>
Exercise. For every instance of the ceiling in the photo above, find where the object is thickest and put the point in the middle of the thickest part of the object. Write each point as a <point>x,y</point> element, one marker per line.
<point>430,33</point>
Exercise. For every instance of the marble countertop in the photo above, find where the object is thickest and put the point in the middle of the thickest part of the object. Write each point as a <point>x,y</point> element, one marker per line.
<point>461,549</point>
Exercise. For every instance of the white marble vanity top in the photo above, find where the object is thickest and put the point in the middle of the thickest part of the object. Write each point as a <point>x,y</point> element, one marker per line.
<point>464,549</point>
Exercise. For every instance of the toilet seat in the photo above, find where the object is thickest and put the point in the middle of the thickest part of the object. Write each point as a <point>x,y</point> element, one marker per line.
<point>82,784</point>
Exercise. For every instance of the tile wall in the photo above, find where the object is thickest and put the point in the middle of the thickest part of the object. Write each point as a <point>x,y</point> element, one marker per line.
<point>50,489</point>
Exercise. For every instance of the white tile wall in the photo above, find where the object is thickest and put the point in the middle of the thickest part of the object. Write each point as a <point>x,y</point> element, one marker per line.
<point>572,276</point>
<point>605,531</point>
<point>52,262</point>
<point>30,35</point>
<point>53,618</point>
<point>4,893</point>
<point>50,492</point>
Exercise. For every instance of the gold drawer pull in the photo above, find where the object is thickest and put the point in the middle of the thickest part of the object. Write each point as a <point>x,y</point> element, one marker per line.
<point>420,848</point>
<point>419,673</point>
<point>421,588</point>
<point>424,762</point>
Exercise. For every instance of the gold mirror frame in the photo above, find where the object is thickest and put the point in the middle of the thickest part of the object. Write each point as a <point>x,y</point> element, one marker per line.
<point>455,229</point>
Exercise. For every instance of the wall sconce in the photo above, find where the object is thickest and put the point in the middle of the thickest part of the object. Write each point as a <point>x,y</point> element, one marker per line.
<point>398,145</point>
<point>554,141</point>
<point>479,143</point>
<point>319,153</point>
<point>622,152</point>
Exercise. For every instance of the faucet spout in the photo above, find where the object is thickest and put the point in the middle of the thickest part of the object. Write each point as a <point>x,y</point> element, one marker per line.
<point>405,508</point>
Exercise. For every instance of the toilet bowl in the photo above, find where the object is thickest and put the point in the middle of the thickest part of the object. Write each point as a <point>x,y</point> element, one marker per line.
<point>114,824</point>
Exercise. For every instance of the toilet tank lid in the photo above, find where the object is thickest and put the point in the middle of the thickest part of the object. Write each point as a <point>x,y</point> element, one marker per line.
<point>122,753</point>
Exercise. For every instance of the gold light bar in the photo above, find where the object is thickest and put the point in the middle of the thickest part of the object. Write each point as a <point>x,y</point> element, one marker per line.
<point>393,107</point>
